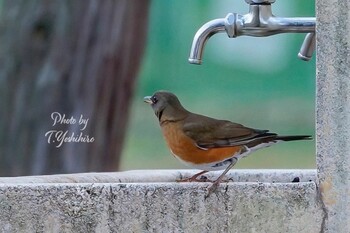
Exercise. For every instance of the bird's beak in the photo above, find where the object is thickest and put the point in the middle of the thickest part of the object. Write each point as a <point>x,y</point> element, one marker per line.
<point>147,99</point>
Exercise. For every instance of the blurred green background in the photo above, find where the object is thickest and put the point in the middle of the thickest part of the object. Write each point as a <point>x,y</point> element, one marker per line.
<point>258,82</point>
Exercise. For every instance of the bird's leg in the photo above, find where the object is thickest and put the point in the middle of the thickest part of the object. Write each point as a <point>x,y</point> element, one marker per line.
<point>216,183</point>
<point>194,178</point>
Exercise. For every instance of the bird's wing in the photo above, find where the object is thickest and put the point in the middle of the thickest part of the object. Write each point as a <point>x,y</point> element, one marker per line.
<point>211,133</point>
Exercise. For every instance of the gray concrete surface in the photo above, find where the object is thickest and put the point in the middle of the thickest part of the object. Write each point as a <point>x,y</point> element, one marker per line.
<point>152,176</point>
<point>333,111</point>
<point>161,206</point>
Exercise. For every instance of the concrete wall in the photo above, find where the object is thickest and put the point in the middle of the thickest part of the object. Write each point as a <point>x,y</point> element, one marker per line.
<point>259,201</point>
<point>333,111</point>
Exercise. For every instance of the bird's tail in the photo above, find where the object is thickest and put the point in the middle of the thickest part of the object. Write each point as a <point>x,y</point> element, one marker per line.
<point>293,138</point>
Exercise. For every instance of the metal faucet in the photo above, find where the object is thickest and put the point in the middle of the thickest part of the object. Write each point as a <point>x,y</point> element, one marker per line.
<point>258,22</point>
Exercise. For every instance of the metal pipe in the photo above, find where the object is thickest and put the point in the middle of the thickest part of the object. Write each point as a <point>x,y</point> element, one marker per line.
<point>259,22</point>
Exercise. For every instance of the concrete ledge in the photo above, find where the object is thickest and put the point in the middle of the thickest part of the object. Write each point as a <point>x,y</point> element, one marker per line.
<point>146,176</point>
<point>161,207</point>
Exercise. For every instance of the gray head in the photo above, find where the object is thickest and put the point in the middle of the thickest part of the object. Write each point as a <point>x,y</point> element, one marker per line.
<point>166,106</point>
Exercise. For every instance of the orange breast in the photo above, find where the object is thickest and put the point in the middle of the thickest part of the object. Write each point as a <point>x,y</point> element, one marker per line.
<point>185,148</point>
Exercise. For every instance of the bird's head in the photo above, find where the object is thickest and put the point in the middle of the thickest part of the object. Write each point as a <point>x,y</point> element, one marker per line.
<point>166,106</point>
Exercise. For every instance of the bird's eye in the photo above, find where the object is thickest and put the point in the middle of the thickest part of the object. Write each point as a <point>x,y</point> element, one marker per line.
<point>154,99</point>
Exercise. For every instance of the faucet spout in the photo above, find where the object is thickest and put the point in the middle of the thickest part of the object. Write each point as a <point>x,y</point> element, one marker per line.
<point>201,37</point>
<point>308,47</point>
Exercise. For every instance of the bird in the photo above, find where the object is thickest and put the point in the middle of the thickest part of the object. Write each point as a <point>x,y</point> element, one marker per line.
<point>205,143</point>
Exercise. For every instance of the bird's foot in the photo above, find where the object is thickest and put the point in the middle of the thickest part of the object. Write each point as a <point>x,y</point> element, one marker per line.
<point>212,188</point>
<point>215,185</point>
<point>195,179</point>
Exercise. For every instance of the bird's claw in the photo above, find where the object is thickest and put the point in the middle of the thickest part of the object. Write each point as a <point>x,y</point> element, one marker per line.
<point>194,179</point>
<point>212,189</point>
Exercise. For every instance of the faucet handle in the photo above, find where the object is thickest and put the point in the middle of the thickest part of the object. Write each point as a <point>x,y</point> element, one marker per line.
<point>308,47</point>
<point>251,2</point>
